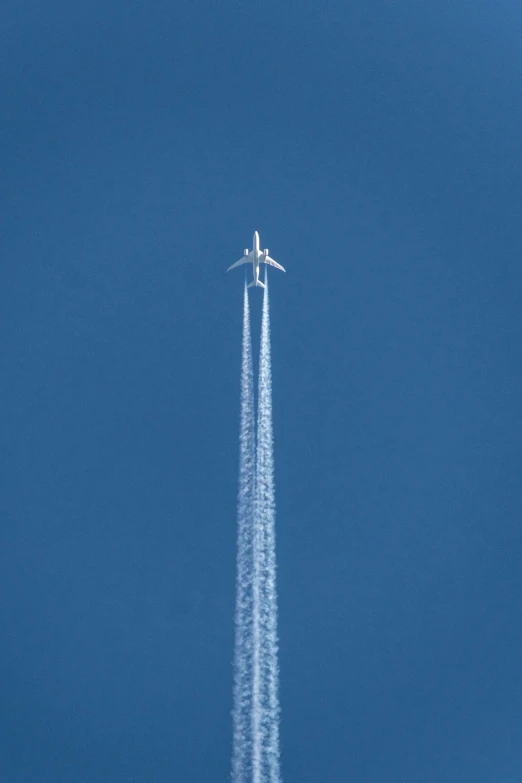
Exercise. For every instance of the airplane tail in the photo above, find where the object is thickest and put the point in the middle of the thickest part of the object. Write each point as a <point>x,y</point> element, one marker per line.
<point>260,284</point>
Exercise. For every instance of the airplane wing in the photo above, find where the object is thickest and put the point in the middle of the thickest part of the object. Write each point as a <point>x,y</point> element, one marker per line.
<point>271,262</point>
<point>243,260</point>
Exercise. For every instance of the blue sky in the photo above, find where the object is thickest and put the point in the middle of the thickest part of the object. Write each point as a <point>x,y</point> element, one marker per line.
<point>376,147</point>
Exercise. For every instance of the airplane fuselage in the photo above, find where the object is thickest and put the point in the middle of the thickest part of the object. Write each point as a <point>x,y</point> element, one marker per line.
<point>256,255</point>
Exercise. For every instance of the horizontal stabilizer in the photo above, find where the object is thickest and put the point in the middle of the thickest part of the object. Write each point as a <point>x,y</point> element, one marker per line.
<point>260,284</point>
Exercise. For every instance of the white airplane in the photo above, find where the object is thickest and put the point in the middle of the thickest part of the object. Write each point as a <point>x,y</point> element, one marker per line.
<point>256,257</point>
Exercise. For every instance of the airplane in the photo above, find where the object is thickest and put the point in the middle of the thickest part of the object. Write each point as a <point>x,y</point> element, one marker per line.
<point>256,257</point>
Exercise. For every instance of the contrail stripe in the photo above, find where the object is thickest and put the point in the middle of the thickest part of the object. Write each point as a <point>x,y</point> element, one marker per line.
<point>264,507</point>
<point>242,723</point>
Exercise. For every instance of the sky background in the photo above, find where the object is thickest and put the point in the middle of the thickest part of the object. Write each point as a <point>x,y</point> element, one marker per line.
<point>376,147</point>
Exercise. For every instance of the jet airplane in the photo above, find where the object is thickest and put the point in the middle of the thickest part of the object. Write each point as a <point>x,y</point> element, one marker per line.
<point>256,257</point>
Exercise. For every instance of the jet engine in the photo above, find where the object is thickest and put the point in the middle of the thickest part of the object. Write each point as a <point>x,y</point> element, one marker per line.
<point>246,251</point>
<point>266,252</point>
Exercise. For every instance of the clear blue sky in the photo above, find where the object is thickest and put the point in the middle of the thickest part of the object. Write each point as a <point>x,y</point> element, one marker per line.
<point>376,147</point>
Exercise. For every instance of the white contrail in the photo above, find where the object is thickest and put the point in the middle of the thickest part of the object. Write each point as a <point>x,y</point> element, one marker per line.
<point>265,569</point>
<point>256,674</point>
<point>245,610</point>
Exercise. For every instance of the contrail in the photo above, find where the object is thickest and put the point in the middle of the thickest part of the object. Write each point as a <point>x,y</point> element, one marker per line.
<point>265,570</point>
<point>243,675</point>
<point>255,756</point>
